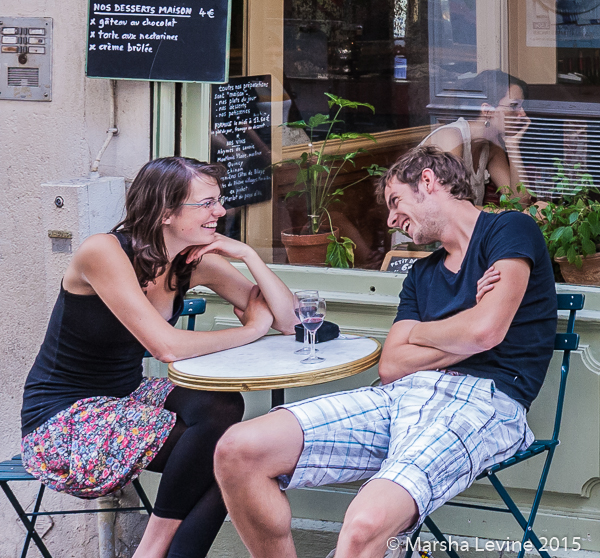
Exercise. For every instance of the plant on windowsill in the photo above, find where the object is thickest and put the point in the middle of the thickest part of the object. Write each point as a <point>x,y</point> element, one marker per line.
<point>318,169</point>
<point>571,226</point>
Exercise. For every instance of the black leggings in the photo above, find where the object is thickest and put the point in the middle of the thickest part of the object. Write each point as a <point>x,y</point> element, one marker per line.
<point>188,490</point>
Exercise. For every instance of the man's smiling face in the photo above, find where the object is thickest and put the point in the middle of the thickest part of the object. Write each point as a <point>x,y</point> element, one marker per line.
<point>412,212</point>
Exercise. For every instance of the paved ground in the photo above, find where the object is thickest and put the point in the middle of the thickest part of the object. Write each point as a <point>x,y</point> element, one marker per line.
<point>315,539</point>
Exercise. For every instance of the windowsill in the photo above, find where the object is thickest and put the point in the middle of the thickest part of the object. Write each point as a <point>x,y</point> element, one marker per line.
<point>385,141</point>
<point>380,290</point>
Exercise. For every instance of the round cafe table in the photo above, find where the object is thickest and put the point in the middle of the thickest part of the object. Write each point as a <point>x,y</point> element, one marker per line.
<point>270,363</point>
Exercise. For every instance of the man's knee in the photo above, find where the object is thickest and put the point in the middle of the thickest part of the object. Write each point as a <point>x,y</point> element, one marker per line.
<point>266,446</point>
<point>237,449</point>
<point>381,510</point>
<point>364,525</point>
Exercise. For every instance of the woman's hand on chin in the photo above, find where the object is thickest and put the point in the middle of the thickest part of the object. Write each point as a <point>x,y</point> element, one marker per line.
<point>520,124</point>
<point>223,246</point>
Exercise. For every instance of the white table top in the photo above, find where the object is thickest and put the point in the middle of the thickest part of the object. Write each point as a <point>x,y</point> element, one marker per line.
<point>270,363</point>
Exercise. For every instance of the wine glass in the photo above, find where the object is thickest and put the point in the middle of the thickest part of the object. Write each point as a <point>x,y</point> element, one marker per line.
<point>312,314</point>
<point>298,296</point>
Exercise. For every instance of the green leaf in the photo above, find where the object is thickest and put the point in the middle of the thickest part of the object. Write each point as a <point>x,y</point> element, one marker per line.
<point>376,170</point>
<point>334,100</point>
<point>336,255</point>
<point>588,247</point>
<point>585,231</point>
<point>297,124</point>
<point>338,192</point>
<point>351,155</point>
<point>340,253</point>
<point>560,252</point>
<point>558,233</point>
<point>294,193</point>
<point>573,217</point>
<point>319,168</point>
<point>567,235</point>
<point>301,177</point>
<point>594,221</point>
<point>318,120</point>
<point>533,211</point>
<point>349,248</point>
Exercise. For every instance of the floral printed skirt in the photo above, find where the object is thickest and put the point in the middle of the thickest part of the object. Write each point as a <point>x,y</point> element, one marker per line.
<point>100,444</point>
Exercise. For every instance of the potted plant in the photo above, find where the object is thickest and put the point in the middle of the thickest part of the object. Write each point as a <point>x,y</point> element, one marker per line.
<point>571,227</point>
<point>317,170</point>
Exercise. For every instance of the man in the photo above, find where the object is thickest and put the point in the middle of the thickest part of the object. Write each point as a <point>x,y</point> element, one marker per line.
<point>457,377</point>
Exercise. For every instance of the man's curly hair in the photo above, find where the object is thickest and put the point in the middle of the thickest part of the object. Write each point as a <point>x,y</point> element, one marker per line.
<point>448,169</point>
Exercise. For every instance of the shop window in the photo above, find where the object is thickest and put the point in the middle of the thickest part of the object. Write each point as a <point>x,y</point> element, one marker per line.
<point>420,64</point>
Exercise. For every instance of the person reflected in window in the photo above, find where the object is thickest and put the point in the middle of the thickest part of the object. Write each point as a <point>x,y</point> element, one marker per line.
<point>490,144</point>
<point>90,421</point>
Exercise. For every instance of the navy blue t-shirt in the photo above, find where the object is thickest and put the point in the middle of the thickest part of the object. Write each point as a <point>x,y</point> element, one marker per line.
<point>432,292</point>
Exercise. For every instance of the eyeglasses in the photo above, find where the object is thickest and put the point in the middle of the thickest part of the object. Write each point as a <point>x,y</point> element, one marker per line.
<point>513,106</point>
<point>209,204</point>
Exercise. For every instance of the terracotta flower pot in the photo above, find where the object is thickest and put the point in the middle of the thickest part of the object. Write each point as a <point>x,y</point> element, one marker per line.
<point>587,274</point>
<point>309,249</point>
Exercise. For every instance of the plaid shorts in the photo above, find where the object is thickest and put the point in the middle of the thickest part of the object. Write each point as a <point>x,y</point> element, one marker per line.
<point>430,432</point>
<point>100,444</point>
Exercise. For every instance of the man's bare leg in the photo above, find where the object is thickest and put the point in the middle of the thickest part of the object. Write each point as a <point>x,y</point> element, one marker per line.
<point>381,510</point>
<point>248,458</point>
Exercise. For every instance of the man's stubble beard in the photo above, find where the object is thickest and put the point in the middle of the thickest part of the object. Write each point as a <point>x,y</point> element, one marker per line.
<point>430,229</point>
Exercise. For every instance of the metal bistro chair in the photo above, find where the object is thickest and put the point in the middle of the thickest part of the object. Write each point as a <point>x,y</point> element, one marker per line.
<point>12,470</point>
<point>566,342</point>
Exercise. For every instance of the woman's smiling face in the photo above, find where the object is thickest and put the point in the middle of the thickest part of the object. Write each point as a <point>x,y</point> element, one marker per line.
<point>191,225</point>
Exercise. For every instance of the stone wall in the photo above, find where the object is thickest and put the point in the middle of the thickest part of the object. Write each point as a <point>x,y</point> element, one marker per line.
<point>42,142</point>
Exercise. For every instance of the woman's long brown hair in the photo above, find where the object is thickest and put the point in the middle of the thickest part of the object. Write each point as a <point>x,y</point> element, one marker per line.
<point>160,187</point>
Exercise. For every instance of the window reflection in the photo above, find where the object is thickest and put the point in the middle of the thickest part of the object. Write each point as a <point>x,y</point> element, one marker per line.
<point>418,63</point>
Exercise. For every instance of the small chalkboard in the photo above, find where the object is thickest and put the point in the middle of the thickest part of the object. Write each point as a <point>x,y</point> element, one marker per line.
<point>241,138</point>
<point>400,261</point>
<point>187,40</point>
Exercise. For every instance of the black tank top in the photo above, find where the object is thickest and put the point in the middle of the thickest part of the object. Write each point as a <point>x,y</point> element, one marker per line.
<point>87,352</point>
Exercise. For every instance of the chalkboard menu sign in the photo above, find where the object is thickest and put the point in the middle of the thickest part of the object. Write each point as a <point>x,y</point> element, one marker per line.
<point>400,261</point>
<point>241,138</point>
<point>163,40</point>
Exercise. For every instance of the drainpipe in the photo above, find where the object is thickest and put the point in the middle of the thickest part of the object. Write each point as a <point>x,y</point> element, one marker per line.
<point>106,527</point>
<point>110,133</point>
<point>106,520</point>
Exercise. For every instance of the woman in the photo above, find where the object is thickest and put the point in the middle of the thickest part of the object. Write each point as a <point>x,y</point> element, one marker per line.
<point>484,144</point>
<point>90,422</point>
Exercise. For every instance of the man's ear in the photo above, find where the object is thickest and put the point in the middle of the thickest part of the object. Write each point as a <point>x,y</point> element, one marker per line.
<point>428,178</point>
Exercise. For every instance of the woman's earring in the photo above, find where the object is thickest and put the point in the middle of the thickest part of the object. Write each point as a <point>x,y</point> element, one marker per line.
<point>487,122</point>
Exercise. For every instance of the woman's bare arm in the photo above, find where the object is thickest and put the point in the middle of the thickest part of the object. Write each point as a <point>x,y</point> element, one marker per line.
<point>102,264</point>
<point>219,275</point>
